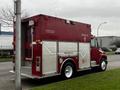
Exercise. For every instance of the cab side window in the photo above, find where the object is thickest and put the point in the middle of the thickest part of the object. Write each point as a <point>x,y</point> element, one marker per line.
<point>93,43</point>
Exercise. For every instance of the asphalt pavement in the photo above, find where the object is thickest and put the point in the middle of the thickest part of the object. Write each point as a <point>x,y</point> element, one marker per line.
<point>113,62</point>
<point>7,78</point>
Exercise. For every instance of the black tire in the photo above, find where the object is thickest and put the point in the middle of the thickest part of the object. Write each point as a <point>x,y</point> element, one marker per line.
<point>68,70</point>
<point>103,65</point>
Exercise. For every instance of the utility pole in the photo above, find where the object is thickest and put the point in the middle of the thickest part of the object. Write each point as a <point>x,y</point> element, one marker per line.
<point>0,28</point>
<point>98,34</point>
<point>17,7</point>
<point>99,27</point>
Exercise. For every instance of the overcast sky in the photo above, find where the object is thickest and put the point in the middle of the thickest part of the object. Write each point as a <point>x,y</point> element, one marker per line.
<point>92,12</point>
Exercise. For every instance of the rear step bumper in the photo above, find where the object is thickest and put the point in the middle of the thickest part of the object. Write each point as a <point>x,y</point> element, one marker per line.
<point>35,77</point>
<point>25,75</point>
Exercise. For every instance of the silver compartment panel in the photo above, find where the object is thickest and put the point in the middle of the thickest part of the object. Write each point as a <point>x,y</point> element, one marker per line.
<point>84,55</point>
<point>67,49</point>
<point>49,57</point>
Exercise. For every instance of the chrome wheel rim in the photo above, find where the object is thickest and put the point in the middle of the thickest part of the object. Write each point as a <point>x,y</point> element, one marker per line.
<point>103,65</point>
<point>68,71</point>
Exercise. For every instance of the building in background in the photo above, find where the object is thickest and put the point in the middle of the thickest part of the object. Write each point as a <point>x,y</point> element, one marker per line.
<point>106,41</point>
<point>6,47</point>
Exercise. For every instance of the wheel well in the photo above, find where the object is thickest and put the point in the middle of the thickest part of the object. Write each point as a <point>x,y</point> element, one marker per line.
<point>68,61</point>
<point>104,58</point>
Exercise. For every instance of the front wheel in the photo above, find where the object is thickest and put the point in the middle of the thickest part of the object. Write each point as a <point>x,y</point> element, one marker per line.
<point>103,65</point>
<point>68,70</point>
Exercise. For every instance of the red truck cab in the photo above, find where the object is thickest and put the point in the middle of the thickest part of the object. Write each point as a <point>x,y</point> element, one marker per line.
<point>98,55</point>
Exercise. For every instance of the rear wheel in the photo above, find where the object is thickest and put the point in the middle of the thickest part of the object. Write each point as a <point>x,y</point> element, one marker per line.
<point>68,70</point>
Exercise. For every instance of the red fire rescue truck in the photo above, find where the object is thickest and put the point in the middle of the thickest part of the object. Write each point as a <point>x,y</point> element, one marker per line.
<point>54,46</point>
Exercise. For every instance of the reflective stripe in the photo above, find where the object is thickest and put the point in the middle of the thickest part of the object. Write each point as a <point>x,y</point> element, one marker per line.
<point>34,43</point>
